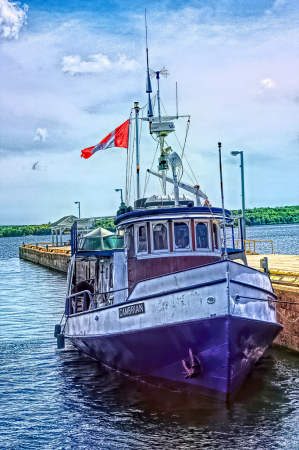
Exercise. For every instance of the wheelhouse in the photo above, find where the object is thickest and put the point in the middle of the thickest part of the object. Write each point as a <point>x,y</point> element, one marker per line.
<point>165,240</point>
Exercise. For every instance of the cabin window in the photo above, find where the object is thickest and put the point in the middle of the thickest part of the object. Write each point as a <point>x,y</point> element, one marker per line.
<point>201,232</point>
<point>141,239</point>
<point>181,236</point>
<point>215,236</point>
<point>111,276</point>
<point>129,237</point>
<point>160,237</point>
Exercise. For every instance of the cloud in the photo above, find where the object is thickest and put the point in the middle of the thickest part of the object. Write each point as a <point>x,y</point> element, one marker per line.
<point>96,64</point>
<point>41,134</point>
<point>220,66</point>
<point>12,18</point>
<point>267,83</point>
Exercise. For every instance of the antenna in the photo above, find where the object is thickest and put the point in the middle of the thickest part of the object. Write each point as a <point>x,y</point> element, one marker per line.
<point>148,78</point>
<point>176,97</point>
<point>146,36</point>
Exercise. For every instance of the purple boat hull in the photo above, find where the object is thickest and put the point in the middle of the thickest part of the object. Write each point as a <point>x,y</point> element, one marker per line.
<point>222,350</point>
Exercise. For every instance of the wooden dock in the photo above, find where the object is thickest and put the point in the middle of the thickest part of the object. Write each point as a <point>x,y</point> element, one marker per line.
<point>56,258</point>
<point>286,264</point>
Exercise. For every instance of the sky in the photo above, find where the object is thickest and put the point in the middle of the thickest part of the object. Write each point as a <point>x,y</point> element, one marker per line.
<point>71,72</point>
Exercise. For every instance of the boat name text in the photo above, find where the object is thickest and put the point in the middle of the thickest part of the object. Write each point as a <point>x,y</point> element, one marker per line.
<point>131,310</point>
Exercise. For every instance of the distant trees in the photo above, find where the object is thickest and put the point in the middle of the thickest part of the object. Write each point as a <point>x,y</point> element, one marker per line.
<point>255,216</point>
<point>270,216</point>
<point>24,230</point>
<point>41,230</point>
<point>108,224</point>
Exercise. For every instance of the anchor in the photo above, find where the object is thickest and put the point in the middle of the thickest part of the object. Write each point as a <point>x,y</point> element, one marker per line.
<point>196,366</point>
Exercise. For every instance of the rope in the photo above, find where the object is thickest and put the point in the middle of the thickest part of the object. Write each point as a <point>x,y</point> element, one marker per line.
<point>291,321</point>
<point>131,150</point>
<point>187,130</point>
<point>128,161</point>
<point>183,148</point>
<point>266,300</point>
<point>131,168</point>
<point>148,174</point>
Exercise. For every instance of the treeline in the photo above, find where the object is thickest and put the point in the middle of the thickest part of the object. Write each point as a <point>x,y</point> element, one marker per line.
<point>108,224</point>
<point>41,230</point>
<point>255,216</point>
<point>24,230</point>
<point>270,216</point>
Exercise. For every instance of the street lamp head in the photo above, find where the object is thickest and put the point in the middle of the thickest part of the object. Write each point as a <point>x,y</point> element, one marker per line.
<point>77,203</point>
<point>121,194</point>
<point>235,153</point>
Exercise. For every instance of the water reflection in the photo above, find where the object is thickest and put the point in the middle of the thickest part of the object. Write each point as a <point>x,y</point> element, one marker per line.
<point>65,400</point>
<point>268,397</point>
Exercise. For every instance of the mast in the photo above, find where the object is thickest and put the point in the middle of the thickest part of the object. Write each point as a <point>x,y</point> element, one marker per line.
<point>148,78</point>
<point>160,126</point>
<point>136,107</point>
<point>158,95</point>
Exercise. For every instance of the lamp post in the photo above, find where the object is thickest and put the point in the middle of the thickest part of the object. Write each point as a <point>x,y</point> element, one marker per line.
<point>243,192</point>
<point>78,203</point>
<point>121,194</point>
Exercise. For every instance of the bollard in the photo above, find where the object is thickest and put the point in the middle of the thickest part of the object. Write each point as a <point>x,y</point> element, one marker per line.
<point>57,330</point>
<point>264,264</point>
<point>60,341</point>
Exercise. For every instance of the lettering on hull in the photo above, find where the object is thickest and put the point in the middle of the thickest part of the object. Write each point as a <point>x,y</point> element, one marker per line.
<point>131,310</point>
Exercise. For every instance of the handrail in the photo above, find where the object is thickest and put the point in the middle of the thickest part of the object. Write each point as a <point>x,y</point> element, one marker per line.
<point>249,241</point>
<point>69,305</point>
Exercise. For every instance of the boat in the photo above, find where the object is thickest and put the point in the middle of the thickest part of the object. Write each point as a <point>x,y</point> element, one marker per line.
<point>164,299</point>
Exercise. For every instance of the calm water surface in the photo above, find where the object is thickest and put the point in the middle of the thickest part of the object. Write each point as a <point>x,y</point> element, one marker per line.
<point>285,238</point>
<point>53,399</point>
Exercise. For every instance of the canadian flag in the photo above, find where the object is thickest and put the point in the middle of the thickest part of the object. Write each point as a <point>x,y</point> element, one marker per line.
<point>117,138</point>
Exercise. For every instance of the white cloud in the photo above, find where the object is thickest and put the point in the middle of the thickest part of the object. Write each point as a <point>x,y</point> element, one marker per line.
<point>41,134</point>
<point>12,18</point>
<point>221,69</point>
<point>267,83</point>
<point>279,4</point>
<point>96,64</point>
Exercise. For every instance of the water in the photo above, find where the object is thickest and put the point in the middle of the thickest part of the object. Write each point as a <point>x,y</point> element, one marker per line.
<point>285,238</point>
<point>53,399</point>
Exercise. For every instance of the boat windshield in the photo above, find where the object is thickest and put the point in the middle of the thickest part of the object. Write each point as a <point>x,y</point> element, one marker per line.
<point>142,243</point>
<point>201,235</point>
<point>160,237</point>
<point>181,235</point>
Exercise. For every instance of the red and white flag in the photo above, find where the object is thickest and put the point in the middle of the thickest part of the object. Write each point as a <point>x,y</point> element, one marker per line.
<point>117,138</point>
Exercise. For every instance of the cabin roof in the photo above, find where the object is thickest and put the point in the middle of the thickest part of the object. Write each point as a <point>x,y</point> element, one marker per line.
<point>172,213</point>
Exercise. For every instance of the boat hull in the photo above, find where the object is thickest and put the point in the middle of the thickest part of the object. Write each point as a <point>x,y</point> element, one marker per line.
<point>222,349</point>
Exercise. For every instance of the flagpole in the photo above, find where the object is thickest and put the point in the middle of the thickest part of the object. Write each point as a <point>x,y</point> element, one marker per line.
<point>136,107</point>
